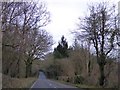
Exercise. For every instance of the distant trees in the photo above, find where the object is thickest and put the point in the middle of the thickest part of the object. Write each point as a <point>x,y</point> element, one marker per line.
<point>61,50</point>
<point>24,38</point>
<point>100,29</point>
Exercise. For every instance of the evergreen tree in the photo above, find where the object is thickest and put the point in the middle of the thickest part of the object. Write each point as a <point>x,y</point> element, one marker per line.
<point>61,51</point>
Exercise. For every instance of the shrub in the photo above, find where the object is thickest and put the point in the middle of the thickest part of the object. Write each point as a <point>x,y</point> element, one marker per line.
<point>78,79</point>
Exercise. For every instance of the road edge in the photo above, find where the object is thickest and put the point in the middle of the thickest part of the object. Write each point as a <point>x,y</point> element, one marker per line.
<point>34,83</point>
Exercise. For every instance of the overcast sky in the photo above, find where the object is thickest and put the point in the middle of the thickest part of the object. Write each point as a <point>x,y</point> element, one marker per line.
<point>64,16</point>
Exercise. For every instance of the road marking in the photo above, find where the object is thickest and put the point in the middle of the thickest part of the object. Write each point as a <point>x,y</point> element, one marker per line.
<point>34,83</point>
<point>50,84</point>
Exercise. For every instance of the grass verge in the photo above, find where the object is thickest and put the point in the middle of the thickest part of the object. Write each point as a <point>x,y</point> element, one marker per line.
<point>75,85</point>
<point>63,82</point>
<point>84,86</point>
<point>8,82</point>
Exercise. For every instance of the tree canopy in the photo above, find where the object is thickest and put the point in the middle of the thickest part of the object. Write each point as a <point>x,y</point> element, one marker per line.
<point>61,51</point>
<point>24,37</point>
<point>100,28</point>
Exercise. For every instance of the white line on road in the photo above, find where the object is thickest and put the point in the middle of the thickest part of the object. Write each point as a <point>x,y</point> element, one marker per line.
<point>50,84</point>
<point>34,83</point>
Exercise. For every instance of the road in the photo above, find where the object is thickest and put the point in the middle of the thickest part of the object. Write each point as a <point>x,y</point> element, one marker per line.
<point>43,82</point>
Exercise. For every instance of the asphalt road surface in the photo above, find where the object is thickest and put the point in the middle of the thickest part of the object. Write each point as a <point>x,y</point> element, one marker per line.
<point>43,82</point>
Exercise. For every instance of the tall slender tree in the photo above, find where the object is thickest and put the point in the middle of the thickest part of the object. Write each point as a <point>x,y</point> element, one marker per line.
<point>100,28</point>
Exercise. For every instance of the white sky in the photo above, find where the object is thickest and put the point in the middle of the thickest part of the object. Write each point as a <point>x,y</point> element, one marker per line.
<point>64,16</point>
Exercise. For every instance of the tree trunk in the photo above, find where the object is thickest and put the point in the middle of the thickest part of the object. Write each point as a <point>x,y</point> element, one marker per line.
<point>102,76</point>
<point>89,64</point>
<point>102,63</point>
<point>18,68</point>
<point>28,69</point>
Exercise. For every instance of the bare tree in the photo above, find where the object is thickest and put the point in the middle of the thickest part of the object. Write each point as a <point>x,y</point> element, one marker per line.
<point>37,44</point>
<point>22,26</point>
<point>100,28</point>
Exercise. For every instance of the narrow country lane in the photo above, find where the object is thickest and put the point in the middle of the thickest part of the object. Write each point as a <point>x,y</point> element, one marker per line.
<point>43,82</point>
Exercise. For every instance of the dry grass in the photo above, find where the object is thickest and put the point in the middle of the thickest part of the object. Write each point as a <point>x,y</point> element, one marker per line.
<point>0,80</point>
<point>85,86</point>
<point>9,82</point>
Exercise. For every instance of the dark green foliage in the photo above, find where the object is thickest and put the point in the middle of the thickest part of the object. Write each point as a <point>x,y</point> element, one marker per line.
<point>53,71</point>
<point>68,79</point>
<point>62,49</point>
<point>78,79</point>
<point>57,54</point>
